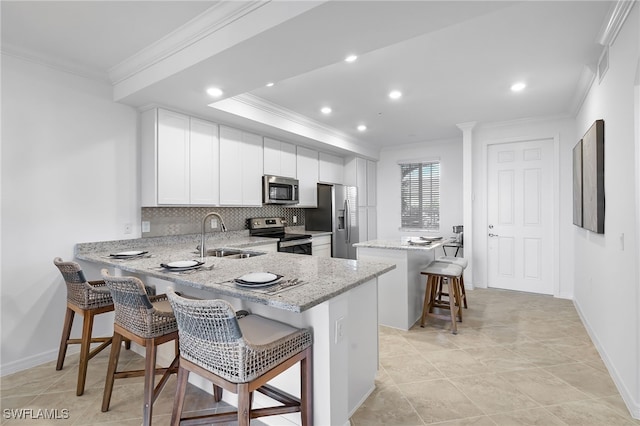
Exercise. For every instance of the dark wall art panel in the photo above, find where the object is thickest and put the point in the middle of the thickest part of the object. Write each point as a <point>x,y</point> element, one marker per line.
<point>593,178</point>
<point>577,184</point>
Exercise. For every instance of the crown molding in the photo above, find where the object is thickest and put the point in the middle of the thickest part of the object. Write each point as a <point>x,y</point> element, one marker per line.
<point>617,16</point>
<point>258,109</point>
<point>54,62</point>
<point>287,114</point>
<point>210,21</point>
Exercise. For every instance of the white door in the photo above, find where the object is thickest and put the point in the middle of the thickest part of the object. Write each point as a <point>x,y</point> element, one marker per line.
<point>520,216</point>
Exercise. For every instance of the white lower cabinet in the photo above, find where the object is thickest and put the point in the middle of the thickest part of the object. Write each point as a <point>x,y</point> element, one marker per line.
<point>321,246</point>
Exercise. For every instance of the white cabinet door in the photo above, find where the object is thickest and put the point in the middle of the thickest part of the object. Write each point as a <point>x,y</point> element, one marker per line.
<point>287,160</point>
<point>361,181</point>
<point>307,166</point>
<point>363,226</point>
<point>204,163</point>
<point>372,223</point>
<point>331,168</point>
<point>252,169</point>
<point>271,157</point>
<point>279,158</point>
<point>372,186</point>
<point>230,166</point>
<point>173,158</point>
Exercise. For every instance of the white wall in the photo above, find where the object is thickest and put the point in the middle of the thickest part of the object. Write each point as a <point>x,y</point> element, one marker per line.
<point>606,273</point>
<point>69,174</point>
<point>563,132</point>
<point>449,152</point>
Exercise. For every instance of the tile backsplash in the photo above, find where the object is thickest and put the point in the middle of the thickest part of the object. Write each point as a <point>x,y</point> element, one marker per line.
<point>188,220</point>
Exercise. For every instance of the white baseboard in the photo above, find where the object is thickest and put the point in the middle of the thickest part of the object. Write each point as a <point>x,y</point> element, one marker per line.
<point>632,405</point>
<point>32,361</point>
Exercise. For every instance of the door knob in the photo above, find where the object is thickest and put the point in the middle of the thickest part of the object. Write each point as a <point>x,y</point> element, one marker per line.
<point>493,235</point>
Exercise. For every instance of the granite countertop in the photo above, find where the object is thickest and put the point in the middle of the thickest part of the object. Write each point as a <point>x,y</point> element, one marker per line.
<point>321,278</point>
<point>404,243</point>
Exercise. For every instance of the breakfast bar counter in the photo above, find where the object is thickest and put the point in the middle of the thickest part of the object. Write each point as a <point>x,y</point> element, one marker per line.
<point>400,292</point>
<point>333,297</point>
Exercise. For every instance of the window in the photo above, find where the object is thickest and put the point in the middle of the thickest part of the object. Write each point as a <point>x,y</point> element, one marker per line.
<point>420,195</point>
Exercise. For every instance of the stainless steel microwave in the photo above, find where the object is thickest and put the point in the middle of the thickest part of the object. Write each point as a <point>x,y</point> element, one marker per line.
<point>279,190</point>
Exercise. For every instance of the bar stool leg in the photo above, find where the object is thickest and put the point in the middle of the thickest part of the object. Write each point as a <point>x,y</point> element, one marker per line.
<point>178,401</point>
<point>149,379</point>
<point>85,346</point>
<point>306,379</point>
<point>427,301</point>
<point>64,341</point>
<point>464,293</point>
<point>244,404</point>
<point>452,309</point>
<point>111,371</point>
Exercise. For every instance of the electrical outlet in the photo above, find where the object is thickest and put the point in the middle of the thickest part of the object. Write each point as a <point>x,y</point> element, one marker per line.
<point>339,330</point>
<point>146,226</point>
<point>127,228</point>
<point>214,223</point>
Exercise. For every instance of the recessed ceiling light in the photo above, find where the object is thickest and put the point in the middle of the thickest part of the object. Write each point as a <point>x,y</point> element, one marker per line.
<point>517,87</point>
<point>351,58</point>
<point>395,94</point>
<point>270,84</point>
<point>325,110</point>
<point>362,128</point>
<point>214,91</point>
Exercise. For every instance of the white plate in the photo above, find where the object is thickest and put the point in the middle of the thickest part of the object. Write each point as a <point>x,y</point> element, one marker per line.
<point>431,238</point>
<point>129,253</point>
<point>254,285</point>
<point>258,277</point>
<point>183,264</point>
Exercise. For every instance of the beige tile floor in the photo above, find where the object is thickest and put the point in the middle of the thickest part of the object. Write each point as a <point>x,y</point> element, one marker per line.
<point>518,359</point>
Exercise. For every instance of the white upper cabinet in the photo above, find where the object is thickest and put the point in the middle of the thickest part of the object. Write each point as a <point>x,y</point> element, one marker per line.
<point>241,168</point>
<point>179,163</point>
<point>307,165</point>
<point>361,173</point>
<point>279,158</point>
<point>204,163</point>
<point>331,168</point>
<point>372,183</point>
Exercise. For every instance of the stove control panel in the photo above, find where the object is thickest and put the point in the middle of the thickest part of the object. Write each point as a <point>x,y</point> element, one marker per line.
<point>267,222</point>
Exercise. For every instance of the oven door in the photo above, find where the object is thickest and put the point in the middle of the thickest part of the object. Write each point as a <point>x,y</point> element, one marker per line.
<point>295,246</point>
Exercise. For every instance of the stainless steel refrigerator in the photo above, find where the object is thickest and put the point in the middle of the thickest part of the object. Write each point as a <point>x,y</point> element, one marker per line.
<point>337,212</point>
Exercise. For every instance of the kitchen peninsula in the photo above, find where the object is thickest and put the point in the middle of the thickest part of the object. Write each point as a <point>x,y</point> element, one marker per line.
<point>400,292</point>
<point>334,297</point>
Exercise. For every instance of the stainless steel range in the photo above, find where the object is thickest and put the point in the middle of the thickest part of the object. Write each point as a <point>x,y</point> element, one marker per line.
<point>273,227</point>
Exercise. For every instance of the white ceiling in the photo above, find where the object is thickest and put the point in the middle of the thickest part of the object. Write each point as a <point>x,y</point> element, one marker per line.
<point>454,61</point>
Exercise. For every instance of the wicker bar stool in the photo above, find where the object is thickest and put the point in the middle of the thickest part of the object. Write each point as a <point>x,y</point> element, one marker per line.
<point>461,262</point>
<point>239,355</point>
<point>435,272</point>
<point>147,321</point>
<point>87,298</point>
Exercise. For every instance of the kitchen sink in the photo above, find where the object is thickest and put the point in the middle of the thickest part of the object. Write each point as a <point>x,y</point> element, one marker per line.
<point>233,253</point>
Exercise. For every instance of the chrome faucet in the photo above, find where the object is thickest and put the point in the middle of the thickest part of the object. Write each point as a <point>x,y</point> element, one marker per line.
<point>204,230</point>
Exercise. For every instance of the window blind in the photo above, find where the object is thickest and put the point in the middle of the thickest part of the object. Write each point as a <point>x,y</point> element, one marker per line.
<point>420,195</point>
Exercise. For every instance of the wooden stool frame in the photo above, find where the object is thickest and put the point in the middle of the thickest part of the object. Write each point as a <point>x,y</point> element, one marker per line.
<point>431,300</point>
<point>85,342</point>
<point>121,334</point>
<point>244,413</point>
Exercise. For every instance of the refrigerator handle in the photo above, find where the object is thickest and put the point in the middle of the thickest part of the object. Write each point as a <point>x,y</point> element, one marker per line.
<point>347,214</point>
